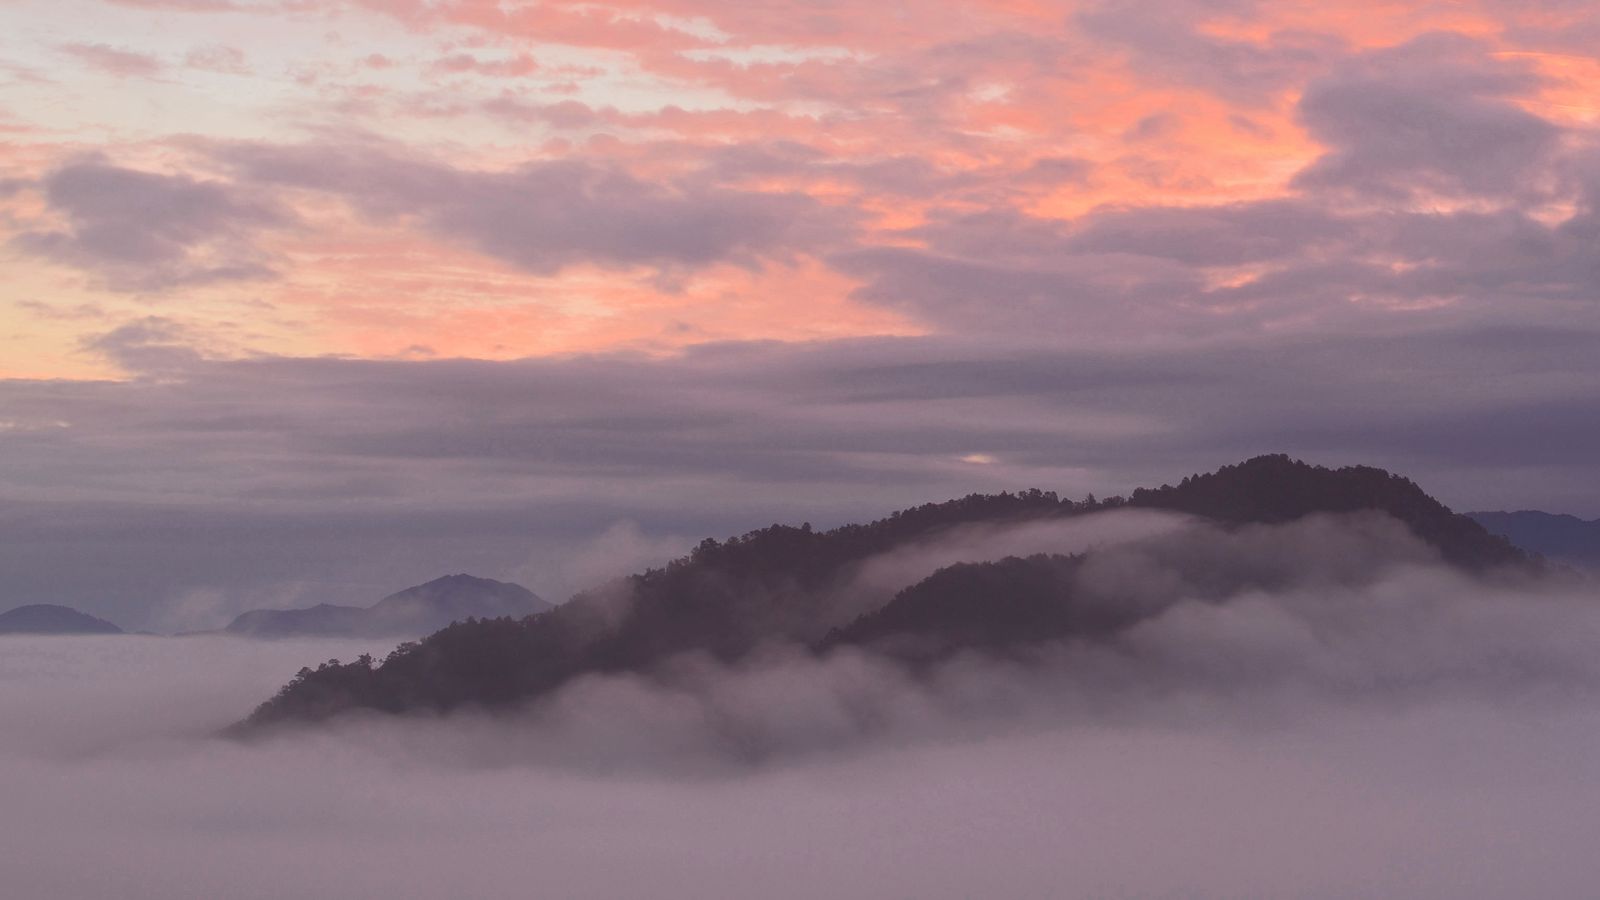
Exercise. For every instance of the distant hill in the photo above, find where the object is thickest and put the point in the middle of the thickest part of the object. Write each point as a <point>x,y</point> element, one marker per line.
<point>412,612</point>
<point>47,618</point>
<point>322,619</point>
<point>1566,539</point>
<point>780,584</point>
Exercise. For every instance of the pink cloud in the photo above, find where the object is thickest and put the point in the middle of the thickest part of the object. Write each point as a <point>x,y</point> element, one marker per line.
<point>115,61</point>
<point>218,58</point>
<point>511,67</point>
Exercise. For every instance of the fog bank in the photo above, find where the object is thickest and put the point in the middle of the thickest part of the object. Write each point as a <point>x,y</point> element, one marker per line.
<point>1412,734</point>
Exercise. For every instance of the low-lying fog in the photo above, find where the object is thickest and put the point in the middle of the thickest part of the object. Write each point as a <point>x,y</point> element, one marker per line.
<point>1416,734</point>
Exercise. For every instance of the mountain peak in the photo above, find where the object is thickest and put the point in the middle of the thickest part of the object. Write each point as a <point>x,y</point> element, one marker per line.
<point>460,578</point>
<point>1276,488</point>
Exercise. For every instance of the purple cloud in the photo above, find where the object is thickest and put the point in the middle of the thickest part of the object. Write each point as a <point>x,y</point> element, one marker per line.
<point>1436,115</point>
<point>548,215</point>
<point>144,231</point>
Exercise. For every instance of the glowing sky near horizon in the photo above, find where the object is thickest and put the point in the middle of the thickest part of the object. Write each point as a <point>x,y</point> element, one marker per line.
<point>502,180</point>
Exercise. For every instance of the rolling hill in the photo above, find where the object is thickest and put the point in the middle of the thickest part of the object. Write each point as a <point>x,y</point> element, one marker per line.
<point>48,618</point>
<point>413,612</point>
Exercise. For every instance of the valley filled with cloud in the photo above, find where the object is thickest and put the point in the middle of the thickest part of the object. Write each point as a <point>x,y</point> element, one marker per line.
<point>1378,724</point>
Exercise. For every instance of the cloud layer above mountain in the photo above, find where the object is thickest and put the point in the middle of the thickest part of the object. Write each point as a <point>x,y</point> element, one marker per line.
<point>286,482</point>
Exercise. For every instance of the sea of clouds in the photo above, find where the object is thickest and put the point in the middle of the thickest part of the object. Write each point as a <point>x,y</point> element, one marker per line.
<point>1371,725</point>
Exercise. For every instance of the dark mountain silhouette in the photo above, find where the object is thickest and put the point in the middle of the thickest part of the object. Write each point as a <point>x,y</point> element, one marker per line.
<point>412,612</point>
<point>47,618</point>
<point>780,584</point>
<point>1271,489</point>
<point>1565,539</point>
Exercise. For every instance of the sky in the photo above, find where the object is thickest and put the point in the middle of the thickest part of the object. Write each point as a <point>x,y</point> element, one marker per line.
<point>317,300</point>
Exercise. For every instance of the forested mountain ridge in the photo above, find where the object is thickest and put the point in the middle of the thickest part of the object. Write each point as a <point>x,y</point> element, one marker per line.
<point>775,584</point>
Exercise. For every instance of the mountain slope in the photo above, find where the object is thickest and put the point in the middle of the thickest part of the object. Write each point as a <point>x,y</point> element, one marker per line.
<point>48,618</point>
<point>781,584</point>
<point>1567,539</point>
<point>413,612</point>
<point>983,606</point>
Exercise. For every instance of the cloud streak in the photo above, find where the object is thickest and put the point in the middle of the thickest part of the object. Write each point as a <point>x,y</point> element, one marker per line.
<point>546,216</point>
